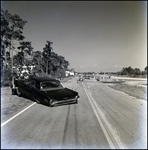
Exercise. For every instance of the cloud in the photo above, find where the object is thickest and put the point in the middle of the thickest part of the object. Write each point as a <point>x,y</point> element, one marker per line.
<point>82,66</point>
<point>94,65</point>
<point>115,66</point>
<point>74,66</point>
<point>106,66</point>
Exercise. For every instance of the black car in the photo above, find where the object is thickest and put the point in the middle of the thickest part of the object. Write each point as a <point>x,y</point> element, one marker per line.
<point>45,90</point>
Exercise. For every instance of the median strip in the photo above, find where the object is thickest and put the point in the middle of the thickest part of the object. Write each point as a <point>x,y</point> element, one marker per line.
<point>111,136</point>
<point>17,115</point>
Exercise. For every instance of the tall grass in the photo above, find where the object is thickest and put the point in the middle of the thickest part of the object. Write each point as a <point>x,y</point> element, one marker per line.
<point>139,92</point>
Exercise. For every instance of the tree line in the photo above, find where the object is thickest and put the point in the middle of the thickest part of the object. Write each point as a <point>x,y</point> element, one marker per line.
<point>129,71</point>
<point>45,61</point>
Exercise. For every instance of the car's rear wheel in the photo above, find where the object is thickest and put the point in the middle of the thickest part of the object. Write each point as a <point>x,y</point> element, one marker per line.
<point>36,100</point>
<point>19,93</point>
<point>13,91</point>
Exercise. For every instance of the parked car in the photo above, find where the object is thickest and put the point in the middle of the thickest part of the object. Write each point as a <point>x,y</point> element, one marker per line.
<point>45,90</point>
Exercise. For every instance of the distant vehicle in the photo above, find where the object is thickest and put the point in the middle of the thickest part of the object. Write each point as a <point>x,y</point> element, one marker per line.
<point>80,79</point>
<point>45,90</point>
<point>98,78</point>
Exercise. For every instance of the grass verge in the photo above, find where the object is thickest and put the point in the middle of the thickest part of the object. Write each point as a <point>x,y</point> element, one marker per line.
<point>139,92</point>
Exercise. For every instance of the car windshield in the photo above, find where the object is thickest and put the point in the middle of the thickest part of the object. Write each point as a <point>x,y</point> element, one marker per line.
<point>50,85</point>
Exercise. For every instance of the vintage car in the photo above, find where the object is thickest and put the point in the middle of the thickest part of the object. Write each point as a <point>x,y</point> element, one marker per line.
<point>45,90</point>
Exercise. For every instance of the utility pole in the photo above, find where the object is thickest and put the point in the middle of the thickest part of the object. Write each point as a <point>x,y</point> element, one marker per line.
<point>11,60</point>
<point>11,48</point>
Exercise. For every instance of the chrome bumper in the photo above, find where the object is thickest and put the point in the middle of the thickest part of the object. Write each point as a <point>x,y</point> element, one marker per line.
<point>65,101</point>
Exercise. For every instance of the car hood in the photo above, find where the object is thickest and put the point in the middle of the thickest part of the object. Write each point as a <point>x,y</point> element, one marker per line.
<point>61,94</point>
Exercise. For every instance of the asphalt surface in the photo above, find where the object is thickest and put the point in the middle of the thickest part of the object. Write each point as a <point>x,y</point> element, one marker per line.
<point>103,118</point>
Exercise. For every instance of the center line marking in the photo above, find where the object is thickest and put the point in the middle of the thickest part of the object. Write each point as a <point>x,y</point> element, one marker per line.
<point>16,115</point>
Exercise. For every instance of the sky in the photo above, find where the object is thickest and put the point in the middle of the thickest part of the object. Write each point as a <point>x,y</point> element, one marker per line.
<point>93,36</point>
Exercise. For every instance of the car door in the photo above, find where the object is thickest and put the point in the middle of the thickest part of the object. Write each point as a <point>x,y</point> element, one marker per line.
<point>33,88</point>
<point>27,88</point>
<point>38,94</point>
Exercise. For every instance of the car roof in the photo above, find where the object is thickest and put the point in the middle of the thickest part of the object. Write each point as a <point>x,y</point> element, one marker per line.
<point>42,79</point>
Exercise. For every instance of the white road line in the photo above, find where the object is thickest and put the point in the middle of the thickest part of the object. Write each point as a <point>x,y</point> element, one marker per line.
<point>106,127</point>
<point>113,132</point>
<point>101,124</point>
<point>17,115</point>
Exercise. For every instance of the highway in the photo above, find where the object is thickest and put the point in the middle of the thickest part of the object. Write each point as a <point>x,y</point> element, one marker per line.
<point>103,118</point>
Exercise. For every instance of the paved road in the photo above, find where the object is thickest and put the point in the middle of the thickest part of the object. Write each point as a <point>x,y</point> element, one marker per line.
<point>103,118</point>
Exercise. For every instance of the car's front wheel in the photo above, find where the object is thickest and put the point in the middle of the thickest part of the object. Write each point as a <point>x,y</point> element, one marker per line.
<point>51,103</point>
<point>36,100</point>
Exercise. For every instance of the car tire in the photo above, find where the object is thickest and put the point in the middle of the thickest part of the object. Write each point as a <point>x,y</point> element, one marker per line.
<point>13,91</point>
<point>36,100</point>
<point>50,103</point>
<point>19,93</point>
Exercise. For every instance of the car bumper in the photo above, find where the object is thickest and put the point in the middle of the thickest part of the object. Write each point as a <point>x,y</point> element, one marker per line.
<point>74,100</point>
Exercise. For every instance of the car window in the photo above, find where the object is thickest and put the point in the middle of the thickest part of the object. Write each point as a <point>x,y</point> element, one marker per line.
<point>27,82</point>
<point>51,84</point>
<point>30,82</point>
